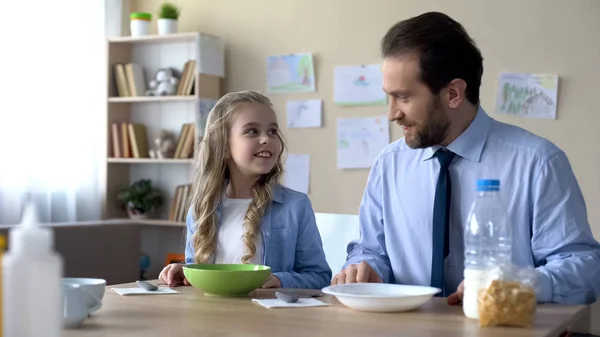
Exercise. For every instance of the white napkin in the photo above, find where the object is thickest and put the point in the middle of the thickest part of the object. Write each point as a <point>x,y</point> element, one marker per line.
<point>302,302</point>
<point>140,291</point>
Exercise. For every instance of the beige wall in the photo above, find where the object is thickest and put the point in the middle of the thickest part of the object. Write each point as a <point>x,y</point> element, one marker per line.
<point>339,32</point>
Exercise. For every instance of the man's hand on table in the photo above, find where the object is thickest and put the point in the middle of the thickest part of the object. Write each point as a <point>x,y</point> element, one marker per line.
<point>456,297</point>
<point>356,273</point>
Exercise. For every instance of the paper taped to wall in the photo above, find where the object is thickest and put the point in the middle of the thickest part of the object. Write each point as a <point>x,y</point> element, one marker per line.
<point>203,108</point>
<point>358,85</point>
<point>297,172</point>
<point>304,114</point>
<point>290,73</point>
<point>212,59</point>
<point>359,141</point>
<point>527,95</point>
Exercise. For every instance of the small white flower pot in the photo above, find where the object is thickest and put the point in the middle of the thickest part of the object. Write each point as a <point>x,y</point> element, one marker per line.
<point>167,26</point>
<point>140,23</point>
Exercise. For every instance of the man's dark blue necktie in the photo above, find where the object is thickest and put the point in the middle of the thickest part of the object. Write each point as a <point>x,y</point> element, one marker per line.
<point>441,217</point>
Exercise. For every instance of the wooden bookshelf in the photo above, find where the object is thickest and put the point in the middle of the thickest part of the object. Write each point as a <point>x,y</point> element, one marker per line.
<point>153,222</point>
<point>138,118</point>
<point>170,38</point>
<point>149,161</point>
<point>150,99</point>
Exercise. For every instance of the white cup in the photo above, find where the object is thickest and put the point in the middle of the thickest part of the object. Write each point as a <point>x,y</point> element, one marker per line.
<point>93,289</point>
<point>75,308</point>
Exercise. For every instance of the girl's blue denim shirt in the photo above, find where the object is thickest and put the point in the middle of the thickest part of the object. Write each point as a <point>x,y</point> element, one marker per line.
<point>292,245</point>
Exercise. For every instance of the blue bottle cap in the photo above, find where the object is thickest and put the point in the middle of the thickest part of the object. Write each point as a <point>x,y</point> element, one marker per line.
<point>488,184</point>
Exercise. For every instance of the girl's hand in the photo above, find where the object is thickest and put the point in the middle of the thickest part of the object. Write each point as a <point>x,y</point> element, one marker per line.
<point>272,282</point>
<point>172,275</point>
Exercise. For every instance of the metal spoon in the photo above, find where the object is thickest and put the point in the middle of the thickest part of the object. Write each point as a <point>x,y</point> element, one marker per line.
<point>289,298</point>
<point>147,286</point>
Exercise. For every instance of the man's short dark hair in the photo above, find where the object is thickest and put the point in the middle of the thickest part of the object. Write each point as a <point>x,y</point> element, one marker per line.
<point>445,51</point>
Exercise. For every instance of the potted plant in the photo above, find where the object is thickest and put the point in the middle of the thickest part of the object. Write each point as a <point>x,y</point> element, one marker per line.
<point>140,199</point>
<point>168,15</point>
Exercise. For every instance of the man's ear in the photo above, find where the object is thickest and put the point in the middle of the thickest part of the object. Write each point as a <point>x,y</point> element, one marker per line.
<point>455,93</point>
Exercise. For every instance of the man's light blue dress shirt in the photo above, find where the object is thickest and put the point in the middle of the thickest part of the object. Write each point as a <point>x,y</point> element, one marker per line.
<point>548,213</point>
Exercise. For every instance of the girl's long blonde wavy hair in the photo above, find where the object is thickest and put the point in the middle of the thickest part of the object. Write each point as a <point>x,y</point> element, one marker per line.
<point>211,174</point>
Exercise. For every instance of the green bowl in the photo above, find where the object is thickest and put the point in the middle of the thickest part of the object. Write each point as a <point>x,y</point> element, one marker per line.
<point>226,279</point>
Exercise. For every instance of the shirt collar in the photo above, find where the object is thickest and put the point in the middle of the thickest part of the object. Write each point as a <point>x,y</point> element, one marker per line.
<point>469,144</point>
<point>278,193</point>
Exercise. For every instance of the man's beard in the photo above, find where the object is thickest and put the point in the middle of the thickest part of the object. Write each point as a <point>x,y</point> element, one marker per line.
<point>433,130</point>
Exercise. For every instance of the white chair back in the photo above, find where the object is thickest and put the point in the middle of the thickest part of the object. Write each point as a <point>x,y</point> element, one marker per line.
<point>337,230</point>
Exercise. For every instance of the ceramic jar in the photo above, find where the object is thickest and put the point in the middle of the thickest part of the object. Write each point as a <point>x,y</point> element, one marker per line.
<point>140,23</point>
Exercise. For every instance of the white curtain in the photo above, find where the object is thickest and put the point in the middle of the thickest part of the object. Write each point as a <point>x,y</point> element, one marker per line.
<point>53,107</point>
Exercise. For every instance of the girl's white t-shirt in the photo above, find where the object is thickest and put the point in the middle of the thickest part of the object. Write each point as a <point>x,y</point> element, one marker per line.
<point>230,246</point>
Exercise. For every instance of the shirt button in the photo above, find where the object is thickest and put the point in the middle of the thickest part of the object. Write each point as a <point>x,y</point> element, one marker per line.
<point>268,234</point>
<point>449,264</point>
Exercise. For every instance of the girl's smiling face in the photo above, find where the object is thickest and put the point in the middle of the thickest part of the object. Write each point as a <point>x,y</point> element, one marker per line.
<point>254,144</point>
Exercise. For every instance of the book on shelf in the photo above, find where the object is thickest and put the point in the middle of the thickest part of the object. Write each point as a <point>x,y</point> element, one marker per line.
<point>185,142</point>
<point>130,140</point>
<point>188,78</point>
<point>131,81</point>
<point>180,203</point>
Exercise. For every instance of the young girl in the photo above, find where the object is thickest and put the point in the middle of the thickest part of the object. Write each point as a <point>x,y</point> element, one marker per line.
<point>239,213</point>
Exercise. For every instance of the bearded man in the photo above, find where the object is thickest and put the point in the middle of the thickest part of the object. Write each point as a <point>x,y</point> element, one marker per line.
<point>421,187</point>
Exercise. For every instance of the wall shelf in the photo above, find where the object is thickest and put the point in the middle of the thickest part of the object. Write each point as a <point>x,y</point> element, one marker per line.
<point>149,161</point>
<point>174,38</point>
<point>150,222</point>
<point>143,99</point>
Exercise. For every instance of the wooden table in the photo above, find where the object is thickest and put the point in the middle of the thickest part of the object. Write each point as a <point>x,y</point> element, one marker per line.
<point>191,314</point>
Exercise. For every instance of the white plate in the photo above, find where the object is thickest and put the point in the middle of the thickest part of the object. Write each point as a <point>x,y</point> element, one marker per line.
<point>381,297</point>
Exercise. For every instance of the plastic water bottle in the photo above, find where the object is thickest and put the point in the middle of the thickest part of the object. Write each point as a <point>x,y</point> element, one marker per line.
<point>487,240</point>
<point>32,301</point>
